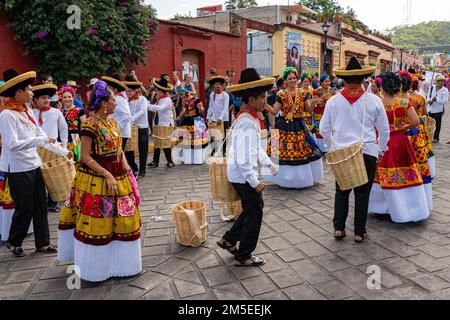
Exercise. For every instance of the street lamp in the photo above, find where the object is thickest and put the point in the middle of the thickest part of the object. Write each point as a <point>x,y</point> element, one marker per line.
<point>401,59</point>
<point>325,27</point>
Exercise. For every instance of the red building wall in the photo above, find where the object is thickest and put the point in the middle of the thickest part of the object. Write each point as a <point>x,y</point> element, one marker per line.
<point>11,51</point>
<point>222,51</point>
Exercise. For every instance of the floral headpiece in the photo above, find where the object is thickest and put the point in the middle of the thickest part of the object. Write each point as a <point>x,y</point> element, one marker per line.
<point>379,81</point>
<point>101,92</point>
<point>324,77</point>
<point>305,75</point>
<point>66,89</point>
<point>287,71</point>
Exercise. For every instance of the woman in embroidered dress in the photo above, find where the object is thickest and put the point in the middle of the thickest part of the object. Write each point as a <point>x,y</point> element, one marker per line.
<point>321,96</point>
<point>398,189</point>
<point>193,128</point>
<point>306,92</point>
<point>100,223</point>
<point>74,115</point>
<point>299,156</point>
<point>417,134</point>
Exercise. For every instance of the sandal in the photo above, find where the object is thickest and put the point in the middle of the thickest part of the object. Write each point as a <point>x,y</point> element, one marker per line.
<point>18,252</point>
<point>54,209</point>
<point>170,165</point>
<point>342,234</point>
<point>153,165</point>
<point>47,249</point>
<point>359,239</point>
<point>253,261</point>
<point>227,246</point>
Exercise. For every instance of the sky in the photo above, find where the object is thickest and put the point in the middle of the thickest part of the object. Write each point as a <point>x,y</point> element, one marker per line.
<point>377,14</point>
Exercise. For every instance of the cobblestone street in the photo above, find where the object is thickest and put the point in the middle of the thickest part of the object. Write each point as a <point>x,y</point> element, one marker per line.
<point>303,261</point>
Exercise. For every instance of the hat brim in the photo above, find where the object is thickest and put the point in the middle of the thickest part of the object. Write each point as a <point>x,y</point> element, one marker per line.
<point>9,88</point>
<point>44,89</point>
<point>342,72</point>
<point>119,85</point>
<point>133,84</point>
<point>254,87</point>
<point>215,79</point>
<point>155,82</point>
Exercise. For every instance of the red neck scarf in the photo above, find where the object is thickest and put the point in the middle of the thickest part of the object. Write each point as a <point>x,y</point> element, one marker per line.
<point>352,92</point>
<point>135,97</point>
<point>217,92</point>
<point>13,105</point>
<point>255,114</point>
<point>41,111</point>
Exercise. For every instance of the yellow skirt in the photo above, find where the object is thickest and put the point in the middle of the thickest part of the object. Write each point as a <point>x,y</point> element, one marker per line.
<point>97,217</point>
<point>6,201</point>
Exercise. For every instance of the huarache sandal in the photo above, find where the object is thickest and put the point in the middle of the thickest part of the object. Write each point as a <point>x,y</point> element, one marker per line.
<point>227,246</point>
<point>340,234</point>
<point>18,252</point>
<point>253,261</point>
<point>54,209</point>
<point>359,239</point>
<point>47,249</point>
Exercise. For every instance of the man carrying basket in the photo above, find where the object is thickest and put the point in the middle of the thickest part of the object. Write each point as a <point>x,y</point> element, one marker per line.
<point>351,118</point>
<point>243,158</point>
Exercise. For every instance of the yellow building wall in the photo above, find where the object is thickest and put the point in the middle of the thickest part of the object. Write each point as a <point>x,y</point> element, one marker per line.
<point>310,48</point>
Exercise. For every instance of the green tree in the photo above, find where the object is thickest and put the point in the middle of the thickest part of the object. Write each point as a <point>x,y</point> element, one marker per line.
<point>422,34</point>
<point>180,16</point>
<point>111,34</point>
<point>239,4</point>
<point>328,8</point>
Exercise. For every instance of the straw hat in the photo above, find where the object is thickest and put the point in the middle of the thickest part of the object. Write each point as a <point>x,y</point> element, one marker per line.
<point>72,84</point>
<point>119,85</point>
<point>162,84</point>
<point>44,90</point>
<point>353,69</point>
<point>92,82</point>
<point>440,78</point>
<point>215,79</point>
<point>251,83</point>
<point>13,80</point>
<point>133,84</point>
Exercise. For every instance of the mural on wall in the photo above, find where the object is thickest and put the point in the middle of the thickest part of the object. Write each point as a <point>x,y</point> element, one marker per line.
<point>311,54</point>
<point>294,47</point>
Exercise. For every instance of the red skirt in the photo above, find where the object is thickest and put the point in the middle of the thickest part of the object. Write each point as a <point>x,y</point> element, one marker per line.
<point>398,169</point>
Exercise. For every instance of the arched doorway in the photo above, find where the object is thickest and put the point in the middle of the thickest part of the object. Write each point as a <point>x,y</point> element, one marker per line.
<point>193,64</point>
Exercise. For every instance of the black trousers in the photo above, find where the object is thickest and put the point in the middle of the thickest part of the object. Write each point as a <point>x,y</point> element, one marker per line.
<point>362,195</point>
<point>157,154</point>
<point>124,143</point>
<point>143,152</point>
<point>226,126</point>
<point>30,200</point>
<point>247,227</point>
<point>438,118</point>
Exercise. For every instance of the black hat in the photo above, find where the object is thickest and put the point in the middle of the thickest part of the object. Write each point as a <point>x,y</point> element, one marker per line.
<point>251,84</point>
<point>14,80</point>
<point>44,90</point>
<point>162,84</point>
<point>354,69</point>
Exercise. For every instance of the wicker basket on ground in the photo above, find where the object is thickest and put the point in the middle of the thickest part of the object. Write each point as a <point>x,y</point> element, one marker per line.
<point>190,222</point>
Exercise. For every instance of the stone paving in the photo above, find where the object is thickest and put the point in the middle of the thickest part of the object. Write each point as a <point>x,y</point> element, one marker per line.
<point>303,259</point>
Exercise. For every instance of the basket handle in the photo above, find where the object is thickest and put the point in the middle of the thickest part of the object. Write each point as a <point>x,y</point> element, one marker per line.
<point>222,213</point>
<point>348,158</point>
<point>193,221</point>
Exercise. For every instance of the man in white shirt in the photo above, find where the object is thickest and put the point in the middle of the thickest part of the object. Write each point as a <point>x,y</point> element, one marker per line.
<point>122,114</point>
<point>244,156</point>
<point>437,99</point>
<point>165,116</point>
<point>219,102</point>
<point>21,135</point>
<point>51,120</point>
<point>342,126</point>
<point>139,117</point>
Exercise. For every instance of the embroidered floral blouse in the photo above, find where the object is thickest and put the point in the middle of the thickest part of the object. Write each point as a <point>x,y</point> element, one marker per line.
<point>398,114</point>
<point>292,107</point>
<point>73,119</point>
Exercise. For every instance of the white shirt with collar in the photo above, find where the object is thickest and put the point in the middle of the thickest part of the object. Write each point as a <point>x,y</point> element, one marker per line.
<point>139,112</point>
<point>53,124</point>
<point>218,107</point>
<point>246,152</point>
<point>341,124</point>
<point>20,140</point>
<point>164,107</point>
<point>441,96</point>
<point>122,115</point>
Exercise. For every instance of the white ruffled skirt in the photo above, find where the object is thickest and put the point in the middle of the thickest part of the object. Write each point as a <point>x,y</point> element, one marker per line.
<point>432,165</point>
<point>298,177</point>
<point>5,223</point>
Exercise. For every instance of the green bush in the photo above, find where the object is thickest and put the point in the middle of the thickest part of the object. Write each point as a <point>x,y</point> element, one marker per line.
<point>112,34</point>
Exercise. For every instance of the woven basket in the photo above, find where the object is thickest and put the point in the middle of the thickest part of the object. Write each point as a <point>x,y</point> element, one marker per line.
<point>162,137</point>
<point>58,175</point>
<point>431,126</point>
<point>216,131</point>
<point>133,142</point>
<point>264,134</point>
<point>348,167</point>
<point>221,189</point>
<point>47,155</point>
<point>190,222</point>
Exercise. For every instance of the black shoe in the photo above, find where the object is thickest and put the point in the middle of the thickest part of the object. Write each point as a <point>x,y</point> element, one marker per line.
<point>170,165</point>
<point>54,209</point>
<point>18,252</point>
<point>153,165</point>
<point>47,249</point>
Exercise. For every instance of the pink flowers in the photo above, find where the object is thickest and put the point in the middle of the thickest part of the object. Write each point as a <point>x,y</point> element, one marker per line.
<point>126,206</point>
<point>42,35</point>
<point>411,175</point>
<point>93,31</point>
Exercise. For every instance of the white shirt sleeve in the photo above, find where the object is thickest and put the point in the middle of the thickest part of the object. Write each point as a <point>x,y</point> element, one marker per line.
<point>442,97</point>
<point>10,138</point>
<point>166,105</point>
<point>226,102</point>
<point>210,107</point>
<point>248,159</point>
<point>63,130</point>
<point>382,125</point>
<point>143,105</point>
<point>122,114</point>
<point>325,124</point>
